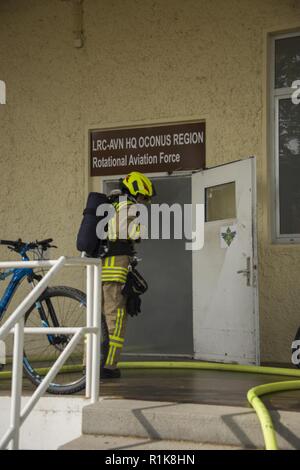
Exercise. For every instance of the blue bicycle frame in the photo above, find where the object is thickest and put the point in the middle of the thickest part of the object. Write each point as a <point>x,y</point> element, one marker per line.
<point>17,275</point>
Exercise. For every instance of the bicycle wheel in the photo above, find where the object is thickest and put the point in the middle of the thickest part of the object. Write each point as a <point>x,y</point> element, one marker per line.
<point>59,306</point>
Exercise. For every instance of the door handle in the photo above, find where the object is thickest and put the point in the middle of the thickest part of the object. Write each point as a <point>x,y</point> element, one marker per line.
<point>247,272</point>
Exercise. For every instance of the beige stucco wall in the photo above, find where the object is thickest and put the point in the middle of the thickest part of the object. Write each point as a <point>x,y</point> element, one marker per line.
<point>143,61</point>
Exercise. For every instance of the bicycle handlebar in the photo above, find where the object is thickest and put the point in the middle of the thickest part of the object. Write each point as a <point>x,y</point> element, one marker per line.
<point>18,244</point>
<point>7,242</point>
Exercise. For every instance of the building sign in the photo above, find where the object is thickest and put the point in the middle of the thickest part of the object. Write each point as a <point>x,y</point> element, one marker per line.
<point>164,148</point>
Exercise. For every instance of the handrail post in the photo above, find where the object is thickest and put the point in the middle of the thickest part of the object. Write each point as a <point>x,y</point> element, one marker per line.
<point>96,336</point>
<point>89,323</point>
<point>92,332</point>
<point>16,391</point>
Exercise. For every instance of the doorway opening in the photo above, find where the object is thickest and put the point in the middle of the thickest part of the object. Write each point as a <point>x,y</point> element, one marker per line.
<point>165,326</point>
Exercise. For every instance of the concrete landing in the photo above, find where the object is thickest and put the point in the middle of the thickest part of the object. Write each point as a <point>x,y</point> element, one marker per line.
<point>220,425</point>
<point>205,406</point>
<point>207,387</point>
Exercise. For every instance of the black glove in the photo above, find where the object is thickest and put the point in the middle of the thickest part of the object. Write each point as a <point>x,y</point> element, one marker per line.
<point>135,286</point>
<point>133,305</point>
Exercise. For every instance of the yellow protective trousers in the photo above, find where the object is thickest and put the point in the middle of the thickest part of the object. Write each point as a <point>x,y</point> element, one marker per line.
<point>114,272</point>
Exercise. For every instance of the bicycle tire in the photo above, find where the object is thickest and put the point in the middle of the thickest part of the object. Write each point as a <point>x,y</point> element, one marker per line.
<point>32,363</point>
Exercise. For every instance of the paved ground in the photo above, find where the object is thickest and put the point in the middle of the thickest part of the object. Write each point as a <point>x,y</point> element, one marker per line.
<point>189,386</point>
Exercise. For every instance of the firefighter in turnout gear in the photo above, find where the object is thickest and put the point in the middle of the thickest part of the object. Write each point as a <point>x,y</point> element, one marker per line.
<point>135,188</point>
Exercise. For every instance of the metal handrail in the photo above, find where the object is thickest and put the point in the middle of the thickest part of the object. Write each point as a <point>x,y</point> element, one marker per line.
<point>15,325</point>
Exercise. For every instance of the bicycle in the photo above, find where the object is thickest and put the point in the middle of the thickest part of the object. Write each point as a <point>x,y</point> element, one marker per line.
<point>41,351</point>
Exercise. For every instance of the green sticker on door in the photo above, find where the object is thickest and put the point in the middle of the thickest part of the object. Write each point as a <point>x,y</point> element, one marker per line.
<point>227,235</point>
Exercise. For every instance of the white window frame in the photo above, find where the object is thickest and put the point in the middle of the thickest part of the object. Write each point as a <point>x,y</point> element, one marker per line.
<point>275,96</point>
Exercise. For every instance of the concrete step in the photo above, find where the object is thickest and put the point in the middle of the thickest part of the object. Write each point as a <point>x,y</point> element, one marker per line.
<point>221,425</point>
<point>87,442</point>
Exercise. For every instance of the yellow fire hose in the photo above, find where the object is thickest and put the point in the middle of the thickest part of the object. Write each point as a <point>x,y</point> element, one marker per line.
<point>6,375</point>
<point>262,412</point>
<point>252,395</point>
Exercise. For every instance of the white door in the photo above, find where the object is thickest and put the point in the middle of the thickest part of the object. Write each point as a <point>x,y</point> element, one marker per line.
<point>225,301</point>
